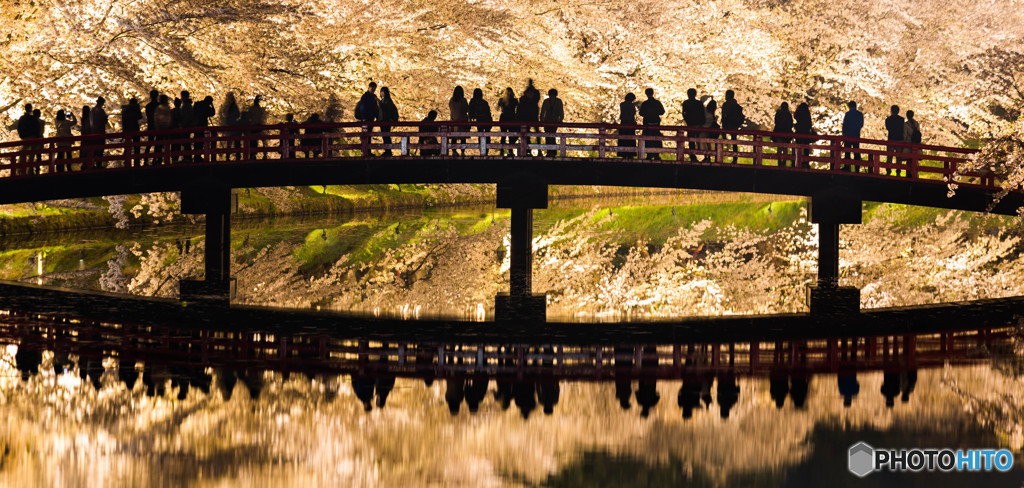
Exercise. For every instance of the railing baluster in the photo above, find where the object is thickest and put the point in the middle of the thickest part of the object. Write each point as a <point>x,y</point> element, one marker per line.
<point>836,155</point>
<point>405,145</point>
<point>600,144</point>
<point>444,140</point>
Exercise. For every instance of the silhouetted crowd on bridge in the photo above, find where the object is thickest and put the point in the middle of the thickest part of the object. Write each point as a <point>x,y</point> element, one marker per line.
<point>530,112</point>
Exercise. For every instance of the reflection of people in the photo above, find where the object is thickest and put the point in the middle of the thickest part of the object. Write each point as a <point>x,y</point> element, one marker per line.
<point>525,399</point>
<point>890,387</point>
<point>476,391</point>
<point>363,388</point>
<point>623,365</point>
<point>548,391</point>
<point>778,382</point>
<point>849,387</point>
<point>384,386</point>
<point>454,395</point>
<point>907,382</point>
<point>689,397</point>
<point>728,394</point>
<point>647,396</point>
<point>799,383</point>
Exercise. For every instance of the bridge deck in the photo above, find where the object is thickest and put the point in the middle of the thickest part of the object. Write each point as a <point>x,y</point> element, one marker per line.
<point>446,152</point>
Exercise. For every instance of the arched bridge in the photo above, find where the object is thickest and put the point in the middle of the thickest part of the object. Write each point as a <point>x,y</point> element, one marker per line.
<point>449,152</point>
<point>205,164</point>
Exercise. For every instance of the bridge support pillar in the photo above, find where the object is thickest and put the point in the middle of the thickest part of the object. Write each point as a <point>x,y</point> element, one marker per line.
<point>521,195</point>
<point>216,203</point>
<point>829,210</point>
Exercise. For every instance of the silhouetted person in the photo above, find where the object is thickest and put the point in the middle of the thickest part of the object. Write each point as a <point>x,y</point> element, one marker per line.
<point>367,111</point>
<point>710,122</point>
<point>85,151</point>
<point>100,121</point>
<point>186,120</point>
<point>311,140</point>
<point>552,112</point>
<point>384,386</point>
<point>627,116</point>
<point>525,398</point>
<point>176,138</point>
<point>230,116</point>
<point>651,111</point>
<point>203,111</point>
<point>163,118</point>
<point>849,387</point>
<point>27,128</point>
<point>728,394</point>
<point>778,386</point>
<point>257,117</point>
<point>131,121</point>
<point>64,123</point>
<point>783,127</point>
<point>363,388</point>
<point>732,117</point>
<point>803,125</point>
<point>911,134</point>
<point>507,106</point>
<point>458,109</point>
<point>890,387</point>
<point>150,111</point>
<point>853,122</point>
<point>480,112</point>
<point>431,140</point>
<point>693,116</point>
<point>388,113</point>
<point>547,392</point>
<point>528,109</point>
<point>893,132</point>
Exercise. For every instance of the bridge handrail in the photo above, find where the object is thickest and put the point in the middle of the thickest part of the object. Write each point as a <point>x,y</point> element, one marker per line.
<point>207,145</point>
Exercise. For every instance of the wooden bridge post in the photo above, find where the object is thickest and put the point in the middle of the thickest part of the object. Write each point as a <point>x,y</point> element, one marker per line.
<point>829,209</point>
<point>217,203</point>
<point>521,195</point>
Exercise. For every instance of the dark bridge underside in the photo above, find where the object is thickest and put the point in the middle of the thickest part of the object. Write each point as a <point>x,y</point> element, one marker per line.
<point>348,171</point>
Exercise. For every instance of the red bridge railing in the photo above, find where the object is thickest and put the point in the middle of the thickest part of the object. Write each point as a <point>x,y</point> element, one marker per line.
<point>425,140</point>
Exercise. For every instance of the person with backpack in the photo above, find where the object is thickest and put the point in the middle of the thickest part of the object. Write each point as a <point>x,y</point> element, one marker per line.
<point>367,111</point>
<point>911,134</point>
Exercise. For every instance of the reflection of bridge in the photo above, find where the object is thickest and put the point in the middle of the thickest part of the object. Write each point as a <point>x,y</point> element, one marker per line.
<point>206,164</point>
<point>181,357</point>
<point>324,352</point>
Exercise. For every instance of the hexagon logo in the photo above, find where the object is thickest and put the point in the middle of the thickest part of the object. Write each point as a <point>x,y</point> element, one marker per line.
<point>862,459</point>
